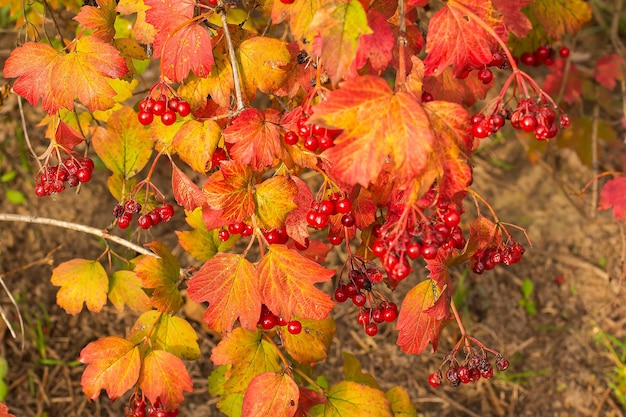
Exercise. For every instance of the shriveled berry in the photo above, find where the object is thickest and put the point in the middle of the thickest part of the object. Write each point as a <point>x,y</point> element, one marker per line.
<point>502,363</point>
<point>166,211</point>
<point>434,379</point>
<point>452,376</point>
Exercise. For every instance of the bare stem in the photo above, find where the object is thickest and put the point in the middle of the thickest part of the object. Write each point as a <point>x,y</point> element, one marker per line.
<point>233,62</point>
<point>594,157</point>
<point>9,217</point>
<point>401,75</point>
<point>457,317</point>
<point>25,130</point>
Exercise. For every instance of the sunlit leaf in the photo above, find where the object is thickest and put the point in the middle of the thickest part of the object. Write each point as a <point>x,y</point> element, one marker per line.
<point>165,377</point>
<point>313,342</point>
<point>166,332</point>
<point>271,394</point>
<point>348,399</point>
<point>161,274</point>
<point>81,281</point>
<point>125,290</point>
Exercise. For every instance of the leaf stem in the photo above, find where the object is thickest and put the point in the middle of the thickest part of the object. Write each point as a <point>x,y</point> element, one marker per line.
<point>457,317</point>
<point>401,74</point>
<point>9,217</point>
<point>233,62</point>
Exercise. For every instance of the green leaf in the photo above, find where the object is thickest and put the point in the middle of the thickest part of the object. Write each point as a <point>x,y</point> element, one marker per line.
<point>169,333</point>
<point>201,243</point>
<point>349,399</point>
<point>401,403</point>
<point>15,197</point>
<point>8,176</point>
<point>352,371</point>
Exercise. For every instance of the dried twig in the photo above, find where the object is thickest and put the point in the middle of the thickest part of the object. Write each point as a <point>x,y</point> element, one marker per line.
<point>233,62</point>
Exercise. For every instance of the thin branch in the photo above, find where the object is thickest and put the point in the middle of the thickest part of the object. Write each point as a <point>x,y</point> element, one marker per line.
<point>8,217</point>
<point>401,75</point>
<point>233,62</point>
<point>25,131</point>
<point>594,157</point>
<point>17,309</point>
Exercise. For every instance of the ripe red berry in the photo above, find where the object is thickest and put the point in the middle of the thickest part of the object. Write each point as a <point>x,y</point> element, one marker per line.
<point>564,52</point>
<point>528,123</point>
<point>172,103</point>
<point>564,121</point>
<point>413,250</point>
<point>377,314</point>
<point>247,230</point>
<point>434,379</point>
<point>389,314</point>
<point>155,217</point>
<point>327,207</point>
<point>363,318</point>
<point>144,221</point>
<point>485,76</point>
<point>83,175</point>
<point>541,54</point>
<point>335,240</point>
<point>451,218</point>
<point>168,118</point>
<point>291,138</point>
<point>348,220</point>
<point>40,190</point>
<point>159,107</point>
<point>528,58</point>
<point>166,211</point>
<point>310,143</point>
<point>325,142</point>
<point>145,118</point>
<point>343,205</point>
<point>223,235</point>
<point>340,294</point>
<point>429,251</point>
<point>427,97</point>
<point>294,327</point>
<point>304,246</point>
<point>236,228</point>
<point>497,59</point>
<point>481,130</point>
<point>371,329</point>
<point>268,322</point>
<point>359,299</point>
<point>183,108</point>
<point>464,374</point>
<point>287,1</point>
<point>124,220</point>
<point>218,156</point>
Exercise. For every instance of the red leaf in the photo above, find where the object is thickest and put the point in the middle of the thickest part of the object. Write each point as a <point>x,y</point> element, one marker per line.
<point>295,222</point>
<point>113,364</point>
<point>613,194</point>
<point>100,19</point>
<point>286,279</point>
<point>66,136</point>
<point>574,85</point>
<point>4,411</point>
<point>515,21</point>
<point>230,190</point>
<point>229,284</point>
<point>454,39</point>
<point>271,394</point>
<point>417,327</point>
<point>183,45</point>
<point>186,193</point>
<point>447,87</point>
<point>256,138</point>
<point>308,399</point>
<point>377,46</point>
<point>164,376</point>
<point>609,69</point>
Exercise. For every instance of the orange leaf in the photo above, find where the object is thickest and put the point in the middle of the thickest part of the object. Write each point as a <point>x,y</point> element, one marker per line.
<point>164,376</point>
<point>295,222</point>
<point>274,200</point>
<point>256,138</point>
<point>230,190</point>
<point>186,193</point>
<point>262,60</point>
<point>195,143</point>
<point>228,283</point>
<point>376,123</point>
<point>4,411</point>
<point>312,343</point>
<point>416,327</point>
<point>286,279</point>
<point>349,398</point>
<point>447,87</point>
<point>271,394</point>
<point>560,17</point>
<point>113,364</point>
<point>59,79</point>
<point>249,354</point>
<point>298,14</point>
<point>125,289</point>
<point>144,31</point>
<point>454,39</point>
<point>81,281</point>
<point>100,19</point>
<point>218,84</point>
<point>335,31</point>
<point>162,274</point>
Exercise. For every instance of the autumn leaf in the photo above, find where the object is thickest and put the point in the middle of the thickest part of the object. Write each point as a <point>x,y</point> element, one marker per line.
<point>609,69</point>
<point>81,281</point>
<point>124,145</point>
<point>165,377</point>
<point>230,190</point>
<point>376,123</point>
<point>99,19</point>
<point>162,274</point>
<point>352,371</point>
<point>195,143</point>
<point>183,45</point>
<point>60,78</point>
<point>201,243</point>
<point>228,283</point>
<point>4,411</point>
<point>456,39</point>
<point>377,47</point>
<point>348,399</point>
<point>274,201</point>
<point>416,327</point>
<point>577,137</point>
<point>262,60</point>
<point>560,17</point>
<point>514,20</point>
<point>335,31</point>
<point>446,86</point>
<point>573,83</point>
<point>125,290</point>
<point>249,354</point>
<point>613,194</point>
<point>295,222</point>
<point>271,394</point>
<point>186,192</point>
<point>66,136</point>
<point>312,343</point>
<point>219,84</point>
<point>170,333</point>
<point>298,15</point>
<point>230,403</point>
<point>144,31</point>
<point>286,281</point>
<point>401,403</point>
<point>113,364</point>
<point>255,136</point>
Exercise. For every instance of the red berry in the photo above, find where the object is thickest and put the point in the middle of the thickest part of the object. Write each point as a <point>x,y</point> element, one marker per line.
<point>378,248</point>
<point>325,142</point>
<point>124,220</point>
<point>183,108</point>
<point>435,379</point>
<point>340,294</point>
<point>497,59</point>
<point>218,156</point>
<point>287,1</point>
<point>83,175</point>
<point>268,322</point>
<point>168,118</point>
<point>304,246</point>
<point>377,315</point>
<point>40,190</point>
<point>371,329</point>
<point>528,58</point>
<point>247,230</point>
<point>541,54</point>
<point>144,221</point>
<point>564,121</point>
<point>166,211</point>
<point>294,327</point>
<point>413,250</point>
<point>327,207</point>
<point>159,107</point>
<point>145,118</point>
<point>132,207</point>
<point>223,235</point>
<point>291,138</point>
<point>363,317</point>
<point>528,123</point>
<point>481,130</point>
<point>564,52</point>
<point>485,76</point>
<point>173,413</point>
<point>320,221</point>
<point>172,103</point>
<point>389,314</point>
<point>451,218</point>
<point>335,240</point>
<point>236,228</point>
<point>429,251</point>
<point>311,143</point>
<point>282,321</point>
<point>427,97</point>
<point>502,363</point>
<point>343,205</point>
<point>359,299</point>
<point>464,374</point>
<point>348,220</point>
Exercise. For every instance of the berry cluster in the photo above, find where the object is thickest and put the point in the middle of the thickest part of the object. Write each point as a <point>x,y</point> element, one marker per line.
<point>476,367</point>
<point>269,320</point>
<point>124,214</point>
<point>313,137</point>
<point>396,243</point>
<point>485,75</point>
<point>543,56</point>
<point>529,116</point>
<point>319,215</point>
<point>139,408</point>
<point>486,259</point>
<point>373,307</point>
<point>164,107</point>
<point>72,171</point>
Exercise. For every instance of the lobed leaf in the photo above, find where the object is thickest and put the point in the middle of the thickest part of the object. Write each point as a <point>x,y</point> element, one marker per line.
<point>262,60</point>
<point>195,143</point>
<point>271,394</point>
<point>401,403</point>
<point>312,343</point>
<point>274,200</point>
<point>165,377</point>
<point>162,274</point>
<point>613,194</point>
<point>560,17</point>
<point>144,31</point>
<point>186,192</point>
<point>348,399</point>
<point>170,333</point>
<point>100,19</point>
<point>125,290</point>
<point>201,243</point>
<point>113,364</point>
<point>230,190</point>
<point>352,371</point>
<point>81,281</point>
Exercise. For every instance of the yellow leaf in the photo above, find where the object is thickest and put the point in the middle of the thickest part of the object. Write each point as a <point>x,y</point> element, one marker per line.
<point>81,281</point>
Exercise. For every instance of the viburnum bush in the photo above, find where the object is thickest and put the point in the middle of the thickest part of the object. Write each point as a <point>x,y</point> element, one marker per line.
<point>250,98</point>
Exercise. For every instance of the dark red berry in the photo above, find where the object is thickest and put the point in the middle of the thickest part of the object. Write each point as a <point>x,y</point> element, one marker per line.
<point>485,76</point>
<point>304,246</point>
<point>359,299</point>
<point>144,222</point>
<point>502,363</point>
<point>348,220</point>
<point>340,294</point>
<point>166,211</point>
<point>83,175</point>
<point>564,52</point>
<point>124,220</point>
<point>371,329</point>
<point>464,374</point>
<point>218,156</point>
<point>268,322</point>
<point>427,97</point>
<point>294,327</point>
<point>40,190</point>
<point>155,217</point>
<point>335,240</point>
<point>453,377</point>
<point>528,58</point>
<point>541,54</point>
<point>435,379</point>
<point>564,121</point>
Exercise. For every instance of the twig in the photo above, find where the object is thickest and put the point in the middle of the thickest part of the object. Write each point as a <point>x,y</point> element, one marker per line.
<point>594,156</point>
<point>233,62</point>
<point>401,75</point>
<point>25,131</point>
<point>8,217</point>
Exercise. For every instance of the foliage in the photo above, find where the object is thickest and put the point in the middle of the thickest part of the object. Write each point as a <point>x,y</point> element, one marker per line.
<point>342,89</point>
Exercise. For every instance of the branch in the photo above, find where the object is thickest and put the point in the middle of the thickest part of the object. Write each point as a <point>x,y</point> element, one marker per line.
<point>8,217</point>
<point>233,62</point>
<point>401,75</point>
